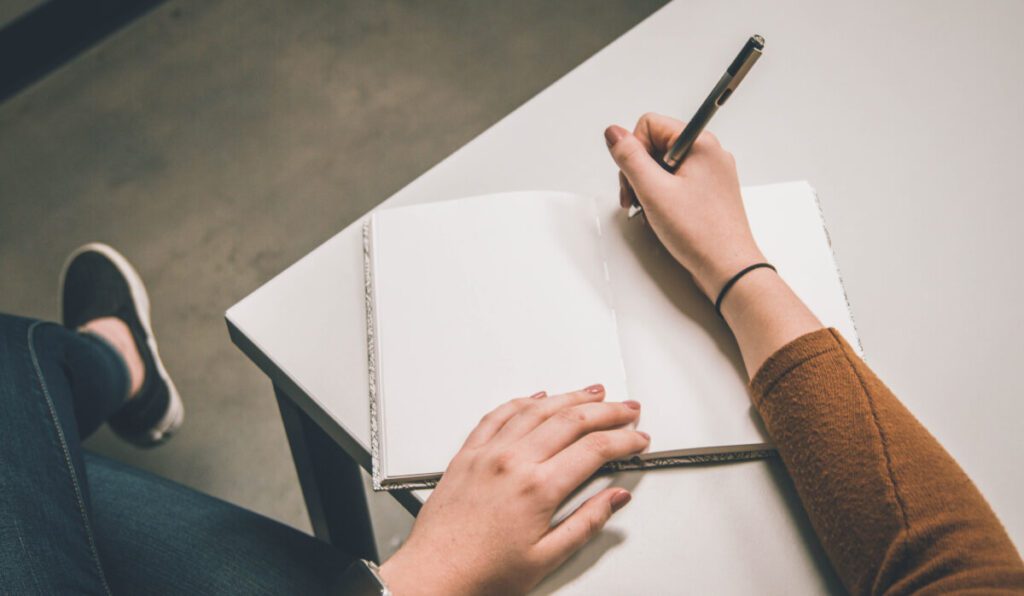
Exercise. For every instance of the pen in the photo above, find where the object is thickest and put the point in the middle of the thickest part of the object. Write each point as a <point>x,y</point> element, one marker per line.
<point>723,90</point>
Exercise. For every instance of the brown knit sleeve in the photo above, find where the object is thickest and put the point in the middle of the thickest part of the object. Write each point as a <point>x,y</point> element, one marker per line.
<point>893,510</point>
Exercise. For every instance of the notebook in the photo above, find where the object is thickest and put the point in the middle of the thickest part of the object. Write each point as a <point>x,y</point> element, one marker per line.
<point>472,302</point>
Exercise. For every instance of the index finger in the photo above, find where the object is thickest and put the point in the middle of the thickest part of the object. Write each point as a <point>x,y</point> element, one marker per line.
<point>573,465</point>
<point>492,422</point>
<point>569,424</point>
<point>657,132</point>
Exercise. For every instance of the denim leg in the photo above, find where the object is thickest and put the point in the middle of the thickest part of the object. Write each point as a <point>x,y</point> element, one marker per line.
<point>136,533</point>
<point>159,537</point>
<point>47,373</point>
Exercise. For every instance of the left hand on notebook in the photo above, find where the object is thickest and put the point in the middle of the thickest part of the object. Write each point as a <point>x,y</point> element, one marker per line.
<point>487,527</point>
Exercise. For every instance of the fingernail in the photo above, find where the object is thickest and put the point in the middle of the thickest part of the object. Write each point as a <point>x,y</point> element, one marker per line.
<point>595,389</point>
<point>613,134</point>
<point>538,394</point>
<point>644,435</point>
<point>632,404</point>
<point>620,499</point>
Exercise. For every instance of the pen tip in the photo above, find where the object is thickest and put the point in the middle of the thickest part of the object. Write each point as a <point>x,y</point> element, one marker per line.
<point>758,40</point>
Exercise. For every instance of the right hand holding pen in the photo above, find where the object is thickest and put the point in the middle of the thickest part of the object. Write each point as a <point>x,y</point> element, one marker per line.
<point>697,213</point>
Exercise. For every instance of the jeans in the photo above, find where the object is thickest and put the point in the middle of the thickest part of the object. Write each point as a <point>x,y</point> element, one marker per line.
<point>72,522</point>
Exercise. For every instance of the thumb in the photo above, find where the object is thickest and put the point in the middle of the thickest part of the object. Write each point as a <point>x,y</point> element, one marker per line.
<point>633,159</point>
<point>577,529</point>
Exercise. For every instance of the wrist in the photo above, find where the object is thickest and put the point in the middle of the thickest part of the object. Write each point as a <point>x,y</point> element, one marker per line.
<point>404,575</point>
<point>712,277</point>
<point>765,314</point>
<point>397,578</point>
<point>748,291</point>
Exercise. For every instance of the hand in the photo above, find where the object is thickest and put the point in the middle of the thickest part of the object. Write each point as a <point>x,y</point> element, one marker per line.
<point>698,215</point>
<point>486,529</point>
<point>698,212</point>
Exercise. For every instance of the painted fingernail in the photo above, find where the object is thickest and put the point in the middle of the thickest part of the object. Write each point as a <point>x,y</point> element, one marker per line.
<point>613,134</point>
<point>538,394</point>
<point>644,435</point>
<point>620,499</point>
<point>632,404</point>
<point>595,389</point>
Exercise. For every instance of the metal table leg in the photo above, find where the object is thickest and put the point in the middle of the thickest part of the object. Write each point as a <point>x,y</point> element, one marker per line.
<point>331,483</point>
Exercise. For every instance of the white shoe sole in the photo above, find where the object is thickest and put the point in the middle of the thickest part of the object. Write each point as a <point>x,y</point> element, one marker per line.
<point>175,415</point>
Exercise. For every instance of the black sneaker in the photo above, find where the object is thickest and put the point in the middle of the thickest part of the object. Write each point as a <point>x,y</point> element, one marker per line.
<point>97,281</point>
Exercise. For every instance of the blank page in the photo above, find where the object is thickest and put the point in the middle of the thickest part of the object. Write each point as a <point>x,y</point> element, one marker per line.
<point>478,301</point>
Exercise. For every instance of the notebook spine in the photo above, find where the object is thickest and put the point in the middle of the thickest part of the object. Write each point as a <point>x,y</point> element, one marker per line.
<point>372,357</point>
<point>609,295</point>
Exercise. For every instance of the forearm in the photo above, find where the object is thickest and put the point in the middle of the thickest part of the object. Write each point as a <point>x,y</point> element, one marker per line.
<point>893,510</point>
<point>764,315</point>
<point>891,507</point>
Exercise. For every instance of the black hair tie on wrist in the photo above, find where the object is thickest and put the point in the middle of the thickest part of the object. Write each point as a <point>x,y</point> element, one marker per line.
<point>735,278</point>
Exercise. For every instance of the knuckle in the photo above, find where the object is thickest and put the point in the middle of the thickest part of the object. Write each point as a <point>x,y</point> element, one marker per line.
<point>521,403</point>
<point>649,116</point>
<point>523,408</point>
<point>572,416</point>
<point>503,463</point>
<point>531,416</point>
<point>534,482</point>
<point>598,443</point>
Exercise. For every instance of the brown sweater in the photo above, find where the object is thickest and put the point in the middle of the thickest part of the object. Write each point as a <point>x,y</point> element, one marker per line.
<point>895,513</point>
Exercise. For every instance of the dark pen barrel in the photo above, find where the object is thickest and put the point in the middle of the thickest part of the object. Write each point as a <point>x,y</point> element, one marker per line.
<point>673,158</point>
<point>754,44</point>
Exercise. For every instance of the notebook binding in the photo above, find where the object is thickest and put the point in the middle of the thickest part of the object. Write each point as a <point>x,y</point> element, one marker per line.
<point>371,355</point>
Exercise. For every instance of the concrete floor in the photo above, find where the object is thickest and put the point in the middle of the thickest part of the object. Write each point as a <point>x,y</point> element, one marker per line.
<point>10,10</point>
<point>216,143</point>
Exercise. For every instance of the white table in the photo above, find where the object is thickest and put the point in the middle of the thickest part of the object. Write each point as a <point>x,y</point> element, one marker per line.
<point>907,119</point>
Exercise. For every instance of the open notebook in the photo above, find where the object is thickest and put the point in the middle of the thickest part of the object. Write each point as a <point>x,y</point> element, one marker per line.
<point>472,302</point>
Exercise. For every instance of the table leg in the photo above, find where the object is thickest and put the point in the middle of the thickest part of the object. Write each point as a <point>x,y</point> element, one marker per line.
<point>331,483</point>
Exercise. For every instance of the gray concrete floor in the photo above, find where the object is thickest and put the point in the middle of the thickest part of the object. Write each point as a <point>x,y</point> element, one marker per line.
<point>12,9</point>
<point>216,143</point>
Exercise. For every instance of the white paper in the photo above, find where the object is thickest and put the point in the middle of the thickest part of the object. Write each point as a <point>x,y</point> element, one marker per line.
<point>479,301</point>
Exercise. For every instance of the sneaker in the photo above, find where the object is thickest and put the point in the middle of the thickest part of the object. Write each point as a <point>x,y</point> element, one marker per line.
<point>97,281</point>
